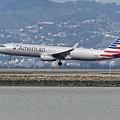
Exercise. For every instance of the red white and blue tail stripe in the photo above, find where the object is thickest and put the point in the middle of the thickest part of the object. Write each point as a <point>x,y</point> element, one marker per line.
<point>113,50</point>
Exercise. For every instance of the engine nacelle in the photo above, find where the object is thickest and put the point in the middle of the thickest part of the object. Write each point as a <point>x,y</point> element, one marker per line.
<point>47,58</point>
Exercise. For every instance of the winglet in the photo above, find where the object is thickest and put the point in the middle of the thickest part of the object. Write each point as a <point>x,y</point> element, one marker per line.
<point>75,46</point>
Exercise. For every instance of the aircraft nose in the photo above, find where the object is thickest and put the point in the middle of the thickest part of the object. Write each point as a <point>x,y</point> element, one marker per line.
<point>1,45</point>
<point>2,48</point>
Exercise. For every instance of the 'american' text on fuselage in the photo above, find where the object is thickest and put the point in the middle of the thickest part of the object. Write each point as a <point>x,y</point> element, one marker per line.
<point>34,49</point>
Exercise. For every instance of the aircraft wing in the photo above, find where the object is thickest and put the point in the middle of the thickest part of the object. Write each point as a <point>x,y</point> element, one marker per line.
<point>63,54</point>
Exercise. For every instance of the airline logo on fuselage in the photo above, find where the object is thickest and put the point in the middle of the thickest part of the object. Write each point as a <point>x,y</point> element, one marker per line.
<point>33,49</point>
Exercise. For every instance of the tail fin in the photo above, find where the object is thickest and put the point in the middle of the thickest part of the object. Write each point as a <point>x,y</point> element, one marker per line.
<point>113,50</point>
<point>115,44</point>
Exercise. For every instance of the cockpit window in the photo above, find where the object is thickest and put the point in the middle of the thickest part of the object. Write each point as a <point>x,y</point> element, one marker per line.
<point>2,45</point>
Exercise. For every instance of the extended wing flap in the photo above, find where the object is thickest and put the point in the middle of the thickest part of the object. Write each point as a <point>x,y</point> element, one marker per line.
<point>63,54</point>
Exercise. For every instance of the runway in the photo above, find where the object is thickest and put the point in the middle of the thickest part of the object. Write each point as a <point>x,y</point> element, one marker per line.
<point>60,71</point>
<point>60,77</point>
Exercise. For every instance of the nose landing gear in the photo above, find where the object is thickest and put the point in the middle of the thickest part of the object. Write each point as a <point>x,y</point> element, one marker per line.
<point>10,58</point>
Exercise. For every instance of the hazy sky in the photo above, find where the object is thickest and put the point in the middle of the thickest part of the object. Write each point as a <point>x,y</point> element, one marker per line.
<point>104,1</point>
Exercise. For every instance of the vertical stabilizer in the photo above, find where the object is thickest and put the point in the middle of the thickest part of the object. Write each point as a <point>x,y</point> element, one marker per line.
<point>113,50</point>
<point>115,44</point>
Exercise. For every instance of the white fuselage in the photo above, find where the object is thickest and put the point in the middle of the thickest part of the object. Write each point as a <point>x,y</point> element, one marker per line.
<point>37,50</point>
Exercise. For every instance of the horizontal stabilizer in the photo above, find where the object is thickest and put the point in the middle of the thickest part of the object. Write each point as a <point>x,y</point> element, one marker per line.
<point>117,55</point>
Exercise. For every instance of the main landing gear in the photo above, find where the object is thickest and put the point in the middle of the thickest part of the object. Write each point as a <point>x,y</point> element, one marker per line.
<point>60,63</point>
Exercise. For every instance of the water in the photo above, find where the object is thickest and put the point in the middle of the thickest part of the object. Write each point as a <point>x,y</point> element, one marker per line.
<point>58,103</point>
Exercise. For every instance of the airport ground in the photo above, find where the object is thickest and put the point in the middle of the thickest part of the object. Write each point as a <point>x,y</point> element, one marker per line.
<point>62,71</point>
<point>60,77</point>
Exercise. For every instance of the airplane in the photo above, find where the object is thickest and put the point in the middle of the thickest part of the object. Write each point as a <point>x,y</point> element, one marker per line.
<point>59,53</point>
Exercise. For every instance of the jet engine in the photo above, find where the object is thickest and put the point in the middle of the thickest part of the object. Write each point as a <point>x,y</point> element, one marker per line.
<point>47,58</point>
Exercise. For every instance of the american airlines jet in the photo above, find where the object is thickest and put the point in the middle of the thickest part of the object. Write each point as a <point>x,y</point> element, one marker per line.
<point>53,53</point>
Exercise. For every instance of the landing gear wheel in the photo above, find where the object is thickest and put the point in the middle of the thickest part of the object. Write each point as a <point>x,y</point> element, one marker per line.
<point>60,63</point>
<point>10,58</point>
